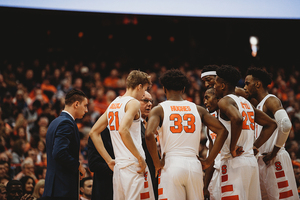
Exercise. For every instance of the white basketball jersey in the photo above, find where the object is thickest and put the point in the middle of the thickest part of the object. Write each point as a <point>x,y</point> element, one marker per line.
<point>180,132</point>
<point>115,114</point>
<point>269,144</point>
<point>246,138</point>
<point>213,136</point>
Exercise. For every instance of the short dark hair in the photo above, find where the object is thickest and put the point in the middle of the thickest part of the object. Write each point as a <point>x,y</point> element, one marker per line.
<point>74,95</point>
<point>211,90</point>
<point>85,179</point>
<point>174,79</point>
<point>208,68</point>
<point>229,74</point>
<point>261,75</point>
<point>13,182</point>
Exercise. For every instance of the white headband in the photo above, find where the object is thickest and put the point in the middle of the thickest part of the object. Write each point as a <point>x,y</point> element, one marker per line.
<point>209,73</point>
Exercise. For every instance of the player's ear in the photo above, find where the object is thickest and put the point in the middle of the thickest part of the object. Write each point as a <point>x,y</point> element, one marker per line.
<point>140,87</point>
<point>258,84</point>
<point>183,90</point>
<point>223,85</point>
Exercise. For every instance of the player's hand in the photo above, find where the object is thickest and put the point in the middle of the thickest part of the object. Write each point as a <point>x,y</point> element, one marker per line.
<point>204,163</point>
<point>82,171</point>
<point>111,164</point>
<point>237,151</point>
<point>206,194</point>
<point>143,165</point>
<point>268,157</point>
<point>161,164</point>
<point>255,150</point>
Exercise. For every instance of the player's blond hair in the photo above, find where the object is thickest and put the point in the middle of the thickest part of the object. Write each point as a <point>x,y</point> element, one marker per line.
<point>137,77</point>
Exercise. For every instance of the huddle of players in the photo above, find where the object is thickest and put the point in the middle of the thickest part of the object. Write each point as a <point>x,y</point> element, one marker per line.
<point>271,175</point>
<point>179,125</point>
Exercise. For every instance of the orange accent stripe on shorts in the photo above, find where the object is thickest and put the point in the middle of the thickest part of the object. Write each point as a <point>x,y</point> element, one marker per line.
<point>227,188</point>
<point>224,178</point>
<point>283,195</point>
<point>283,184</point>
<point>145,195</point>
<point>158,180</point>
<point>160,191</point>
<point>280,174</point>
<point>235,197</point>
<point>145,184</point>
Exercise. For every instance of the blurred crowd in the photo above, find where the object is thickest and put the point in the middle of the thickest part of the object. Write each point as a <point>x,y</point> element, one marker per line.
<point>32,95</point>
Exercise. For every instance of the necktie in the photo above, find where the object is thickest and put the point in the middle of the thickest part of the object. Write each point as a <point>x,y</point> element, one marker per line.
<point>145,123</point>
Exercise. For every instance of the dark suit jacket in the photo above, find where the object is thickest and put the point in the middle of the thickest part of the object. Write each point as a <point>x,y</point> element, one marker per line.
<point>62,145</point>
<point>103,176</point>
<point>149,162</point>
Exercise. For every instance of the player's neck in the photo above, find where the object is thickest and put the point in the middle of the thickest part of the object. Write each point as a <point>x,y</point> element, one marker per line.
<point>228,91</point>
<point>130,92</point>
<point>261,95</point>
<point>174,97</point>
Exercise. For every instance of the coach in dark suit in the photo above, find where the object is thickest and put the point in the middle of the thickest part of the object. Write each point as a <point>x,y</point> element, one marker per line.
<point>62,145</point>
<point>146,105</point>
<point>103,176</point>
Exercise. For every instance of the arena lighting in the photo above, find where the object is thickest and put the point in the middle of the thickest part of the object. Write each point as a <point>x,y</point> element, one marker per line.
<point>266,9</point>
<point>254,45</point>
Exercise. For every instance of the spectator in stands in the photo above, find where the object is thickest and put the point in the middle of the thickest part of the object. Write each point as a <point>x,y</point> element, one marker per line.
<point>27,168</point>
<point>29,81</point>
<point>111,82</point>
<point>3,87</point>
<point>39,189</point>
<point>2,192</point>
<point>28,184</point>
<point>86,186</point>
<point>18,151</point>
<point>30,113</point>
<point>14,190</point>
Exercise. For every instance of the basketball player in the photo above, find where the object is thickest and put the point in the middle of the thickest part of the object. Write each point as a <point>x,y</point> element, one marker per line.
<point>180,124</point>
<point>208,76</point>
<point>277,178</point>
<point>131,178</point>
<point>239,174</point>
<point>211,189</point>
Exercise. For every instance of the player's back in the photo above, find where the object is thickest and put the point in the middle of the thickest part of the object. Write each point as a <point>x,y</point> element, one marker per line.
<point>115,113</point>
<point>181,128</point>
<point>246,138</point>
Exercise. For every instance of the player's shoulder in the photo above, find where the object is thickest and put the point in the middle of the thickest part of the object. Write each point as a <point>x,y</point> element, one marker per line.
<point>272,100</point>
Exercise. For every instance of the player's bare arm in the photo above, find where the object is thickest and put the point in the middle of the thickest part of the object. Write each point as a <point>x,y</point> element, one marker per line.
<point>274,106</point>
<point>209,171</point>
<point>217,127</point>
<point>229,108</point>
<point>269,126</point>
<point>131,112</point>
<point>155,118</point>
<point>95,135</point>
